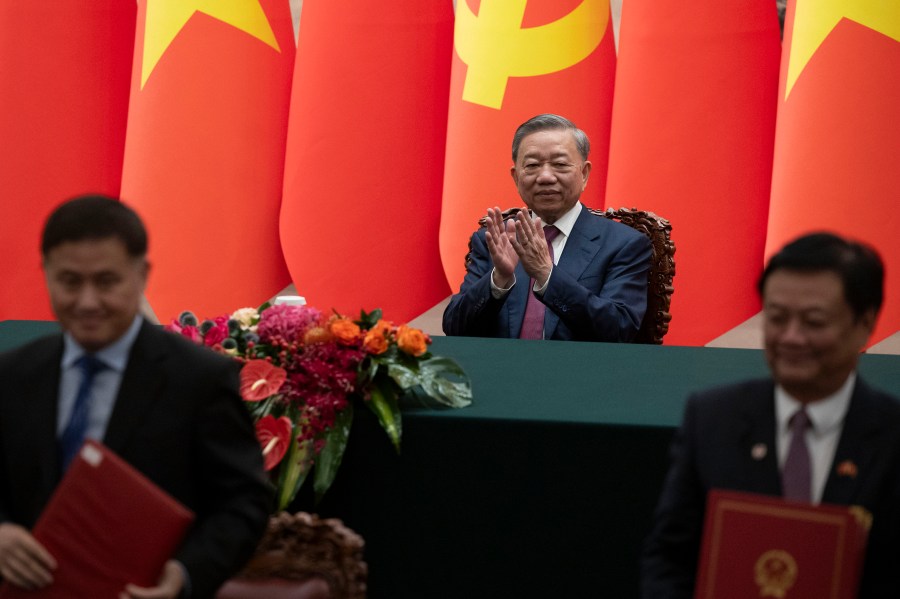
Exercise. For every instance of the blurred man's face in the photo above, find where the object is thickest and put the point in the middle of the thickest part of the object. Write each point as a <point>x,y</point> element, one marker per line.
<point>549,173</point>
<point>95,289</point>
<point>812,337</point>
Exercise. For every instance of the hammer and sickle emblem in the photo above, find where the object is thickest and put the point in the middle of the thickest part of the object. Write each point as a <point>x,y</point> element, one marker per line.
<point>496,47</point>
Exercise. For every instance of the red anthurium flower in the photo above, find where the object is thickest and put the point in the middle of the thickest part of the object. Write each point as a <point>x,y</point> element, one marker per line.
<point>274,435</point>
<point>260,379</point>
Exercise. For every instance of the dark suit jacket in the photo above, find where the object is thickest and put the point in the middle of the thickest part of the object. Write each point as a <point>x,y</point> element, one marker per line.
<point>712,449</point>
<point>597,292</point>
<point>178,419</point>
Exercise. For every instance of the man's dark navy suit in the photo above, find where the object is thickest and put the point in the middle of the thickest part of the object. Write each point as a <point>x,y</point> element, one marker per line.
<point>178,419</point>
<point>714,448</point>
<point>597,292</point>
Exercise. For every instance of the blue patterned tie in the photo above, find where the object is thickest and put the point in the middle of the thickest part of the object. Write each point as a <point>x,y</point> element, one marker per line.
<point>73,435</point>
<point>533,322</point>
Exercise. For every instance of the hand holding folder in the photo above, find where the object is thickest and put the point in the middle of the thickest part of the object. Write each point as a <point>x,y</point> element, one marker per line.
<point>106,525</point>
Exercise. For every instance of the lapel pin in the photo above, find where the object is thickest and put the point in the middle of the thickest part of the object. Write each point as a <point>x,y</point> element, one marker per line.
<point>847,468</point>
<point>759,451</point>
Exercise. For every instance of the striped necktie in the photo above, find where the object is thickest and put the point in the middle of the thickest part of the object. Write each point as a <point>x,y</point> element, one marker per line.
<point>533,323</point>
<point>73,435</point>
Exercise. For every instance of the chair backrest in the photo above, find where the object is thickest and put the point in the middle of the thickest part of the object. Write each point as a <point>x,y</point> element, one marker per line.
<point>662,266</point>
<point>297,553</point>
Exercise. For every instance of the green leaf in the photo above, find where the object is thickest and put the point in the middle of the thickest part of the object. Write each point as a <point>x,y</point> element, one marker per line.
<point>269,405</point>
<point>415,397</point>
<point>366,373</point>
<point>383,402</point>
<point>444,384</point>
<point>368,320</point>
<point>329,459</point>
<point>294,468</point>
<point>403,375</point>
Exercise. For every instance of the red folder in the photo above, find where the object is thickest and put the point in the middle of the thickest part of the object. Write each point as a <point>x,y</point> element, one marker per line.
<point>760,546</point>
<point>106,525</point>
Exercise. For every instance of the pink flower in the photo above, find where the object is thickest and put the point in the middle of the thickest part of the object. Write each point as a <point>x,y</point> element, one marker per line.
<point>286,323</point>
<point>215,335</point>
<point>189,331</point>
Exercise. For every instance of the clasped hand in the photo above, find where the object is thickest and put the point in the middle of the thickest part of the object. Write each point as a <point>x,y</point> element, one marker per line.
<point>520,239</point>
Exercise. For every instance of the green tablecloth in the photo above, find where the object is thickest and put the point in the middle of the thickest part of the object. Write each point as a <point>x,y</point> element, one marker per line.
<point>545,486</point>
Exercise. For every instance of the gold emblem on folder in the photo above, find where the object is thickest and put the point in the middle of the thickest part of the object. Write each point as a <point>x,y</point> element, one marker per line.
<point>776,572</point>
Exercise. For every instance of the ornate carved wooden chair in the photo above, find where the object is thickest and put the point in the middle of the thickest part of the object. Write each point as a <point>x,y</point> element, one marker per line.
<point>302,556</point>
<point>662,266</point>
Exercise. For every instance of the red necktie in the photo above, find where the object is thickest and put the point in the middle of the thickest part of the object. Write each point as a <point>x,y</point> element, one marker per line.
<point>533,323</point>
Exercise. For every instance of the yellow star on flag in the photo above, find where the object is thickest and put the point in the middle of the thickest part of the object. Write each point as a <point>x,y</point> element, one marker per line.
<point>165,18</point>
<point>814,20</point>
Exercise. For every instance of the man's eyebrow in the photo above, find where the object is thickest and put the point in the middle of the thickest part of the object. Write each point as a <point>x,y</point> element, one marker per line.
<point>802,310</point>
<point>558,154</point>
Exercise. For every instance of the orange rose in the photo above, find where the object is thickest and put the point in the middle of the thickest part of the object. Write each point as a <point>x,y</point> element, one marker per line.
<point>317,335</point>
<point>376,340</point>
<point>412,341</point>
<point>383,326</point>
<point>344,330</point>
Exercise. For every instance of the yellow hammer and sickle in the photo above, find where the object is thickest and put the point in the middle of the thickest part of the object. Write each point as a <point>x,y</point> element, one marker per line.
<point>496,47</point>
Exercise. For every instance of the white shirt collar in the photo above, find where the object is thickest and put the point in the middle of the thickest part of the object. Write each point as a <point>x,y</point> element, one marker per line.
<point>566,222</point>
<point>824,414</point>
<point>114,355</point>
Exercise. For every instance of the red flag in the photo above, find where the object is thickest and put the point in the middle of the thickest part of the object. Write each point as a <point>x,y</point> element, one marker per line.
<point>513,61</point>
<point>692,133</point>
<point>205,149</point>
<point>838,138</point>
<point>64,72</point>
<point>365,154</point>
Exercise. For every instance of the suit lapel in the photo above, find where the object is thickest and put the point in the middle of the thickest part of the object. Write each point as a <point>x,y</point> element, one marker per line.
<point>857,449</point>
<point>45,403</point>
<point>757,444</point>
<point>580,250</point>
<point>30,422</point>
<point>763,474</point>
<point>44,409</point>
<point>142,384</point>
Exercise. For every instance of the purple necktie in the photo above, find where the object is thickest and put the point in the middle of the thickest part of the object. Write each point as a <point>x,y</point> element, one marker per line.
<point>533,323</point>
<point>796,477</point>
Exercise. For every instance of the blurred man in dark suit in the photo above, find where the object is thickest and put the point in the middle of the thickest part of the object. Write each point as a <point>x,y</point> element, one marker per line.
<point>168,407</point>
<point>815,432</point>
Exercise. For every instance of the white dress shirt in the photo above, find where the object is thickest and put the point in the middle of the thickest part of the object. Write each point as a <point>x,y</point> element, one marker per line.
<point>565,224</point>
<point>826,423</point>
<point>106,383</point>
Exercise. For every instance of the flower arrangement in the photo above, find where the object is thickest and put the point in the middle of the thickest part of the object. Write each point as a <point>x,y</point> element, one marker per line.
<point>303,372</point>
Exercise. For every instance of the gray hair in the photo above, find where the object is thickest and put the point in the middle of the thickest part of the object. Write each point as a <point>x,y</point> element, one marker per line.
<point>550,122</point>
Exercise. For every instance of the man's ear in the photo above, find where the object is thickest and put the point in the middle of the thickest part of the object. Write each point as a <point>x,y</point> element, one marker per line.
<point>585,173</point>
<point>867,320</point>
<point>515,175</point>
<point>866,323</point>
<point>145,271</point>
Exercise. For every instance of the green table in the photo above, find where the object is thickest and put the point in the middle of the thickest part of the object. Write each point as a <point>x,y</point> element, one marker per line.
<point>547,484</point>
<point>544,487</point>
